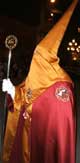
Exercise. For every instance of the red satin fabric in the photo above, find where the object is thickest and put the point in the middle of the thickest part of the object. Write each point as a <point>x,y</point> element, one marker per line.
<point>53,127</point>
<point>10,103</point>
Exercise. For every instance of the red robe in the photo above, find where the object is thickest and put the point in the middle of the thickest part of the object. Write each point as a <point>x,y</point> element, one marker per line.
<point>52,133</point>
<point>53,126</point>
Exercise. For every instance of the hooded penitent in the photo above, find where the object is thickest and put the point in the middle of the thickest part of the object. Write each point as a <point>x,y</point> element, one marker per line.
<point>44,74</point>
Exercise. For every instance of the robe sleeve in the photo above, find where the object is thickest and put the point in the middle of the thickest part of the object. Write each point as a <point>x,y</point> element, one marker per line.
<point>19,99</point>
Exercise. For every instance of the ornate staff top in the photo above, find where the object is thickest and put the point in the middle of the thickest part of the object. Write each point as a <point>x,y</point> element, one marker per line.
<point>11,42</point>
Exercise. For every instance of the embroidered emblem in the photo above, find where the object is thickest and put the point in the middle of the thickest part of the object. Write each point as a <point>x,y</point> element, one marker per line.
<point>63,94</point>
<point>29,93</point>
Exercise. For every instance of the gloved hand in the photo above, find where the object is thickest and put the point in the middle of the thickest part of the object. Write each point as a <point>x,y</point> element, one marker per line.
<point>8,87</point>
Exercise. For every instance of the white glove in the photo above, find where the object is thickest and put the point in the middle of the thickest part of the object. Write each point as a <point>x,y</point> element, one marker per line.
<point>8,87</point>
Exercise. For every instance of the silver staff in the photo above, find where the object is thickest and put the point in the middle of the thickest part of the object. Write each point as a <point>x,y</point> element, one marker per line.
<point>10,43</point>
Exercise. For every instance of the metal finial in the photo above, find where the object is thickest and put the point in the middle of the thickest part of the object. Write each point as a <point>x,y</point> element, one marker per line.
<point>11,42</point>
